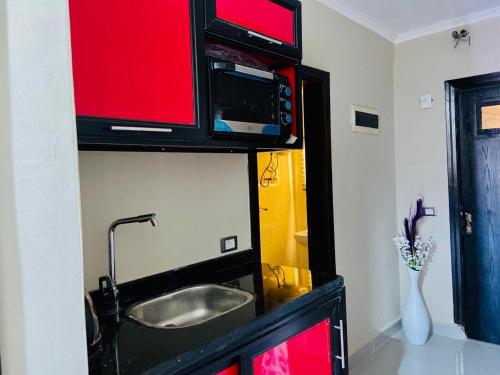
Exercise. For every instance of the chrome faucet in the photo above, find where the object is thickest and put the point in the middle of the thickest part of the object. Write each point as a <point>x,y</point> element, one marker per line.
<point>111,290</point>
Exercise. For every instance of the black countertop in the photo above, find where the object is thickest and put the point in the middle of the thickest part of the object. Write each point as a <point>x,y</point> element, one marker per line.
<point>128,347</point>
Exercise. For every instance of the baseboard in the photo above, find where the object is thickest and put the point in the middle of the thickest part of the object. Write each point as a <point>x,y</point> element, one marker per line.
<point>452,331</point>
<point>376,343</point>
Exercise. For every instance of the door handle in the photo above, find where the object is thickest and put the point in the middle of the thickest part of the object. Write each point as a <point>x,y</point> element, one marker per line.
<point>263,37</point>
<point>246,70</point>
<point>468,223</point>
<point>140,129</point>
<point>340,327</point>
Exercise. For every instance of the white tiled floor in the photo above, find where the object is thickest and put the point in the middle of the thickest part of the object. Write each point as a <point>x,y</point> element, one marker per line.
<point>440,356</point>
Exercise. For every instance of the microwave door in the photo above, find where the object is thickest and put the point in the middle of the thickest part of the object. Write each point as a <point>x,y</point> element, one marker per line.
<point>244,101</point>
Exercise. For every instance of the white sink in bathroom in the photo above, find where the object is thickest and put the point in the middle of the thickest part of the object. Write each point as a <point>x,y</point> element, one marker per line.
<point>301,237</point>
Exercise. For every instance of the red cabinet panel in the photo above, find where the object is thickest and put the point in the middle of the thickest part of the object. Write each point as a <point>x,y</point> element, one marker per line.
<point>262,16</point>
<point>309,352</point>
<point>232,370</point>
<point>133,60</point>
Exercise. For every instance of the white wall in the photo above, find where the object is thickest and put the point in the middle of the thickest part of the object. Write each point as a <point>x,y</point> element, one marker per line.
<point>422,66</point>
<point>42,327</point>
<point>360,63</point>
<point>199,198</point>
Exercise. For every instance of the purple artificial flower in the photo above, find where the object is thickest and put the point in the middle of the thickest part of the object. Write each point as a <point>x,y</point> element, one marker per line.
<point>410,222</point>
<point>419,213</point>
<point>407,230</point>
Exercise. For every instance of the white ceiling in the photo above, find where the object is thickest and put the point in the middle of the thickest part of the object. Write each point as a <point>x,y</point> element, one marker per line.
<point>401,20</point>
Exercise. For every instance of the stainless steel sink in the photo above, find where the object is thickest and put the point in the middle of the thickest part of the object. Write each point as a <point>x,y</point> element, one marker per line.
<point>189,306</point>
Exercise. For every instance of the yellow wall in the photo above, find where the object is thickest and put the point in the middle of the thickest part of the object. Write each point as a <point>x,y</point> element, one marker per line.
<point>283,209</point>
<point>299,181</point>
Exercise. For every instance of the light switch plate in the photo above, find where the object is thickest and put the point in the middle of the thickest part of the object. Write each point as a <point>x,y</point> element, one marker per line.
<point>228,244</point>
<point>430,211</point>
<point>426,101</point>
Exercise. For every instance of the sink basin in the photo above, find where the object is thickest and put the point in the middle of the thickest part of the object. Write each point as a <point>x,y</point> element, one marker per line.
<point>301,237</point>
<point>189,306</point>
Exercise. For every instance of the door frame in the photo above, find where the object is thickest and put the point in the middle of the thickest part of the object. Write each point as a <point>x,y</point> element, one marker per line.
<point>318,169</point>
<point>319,187</point>
<point>452,90</point>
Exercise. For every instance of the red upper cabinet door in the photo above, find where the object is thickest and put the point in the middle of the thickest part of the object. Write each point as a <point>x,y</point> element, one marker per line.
<point>133,60</point>
<point>270,25</point>
<point>232,370</point>
<point>265,17</point>
<point>308,352</point>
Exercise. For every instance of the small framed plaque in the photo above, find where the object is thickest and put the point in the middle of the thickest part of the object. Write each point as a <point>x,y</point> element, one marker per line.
<point>364,120</point>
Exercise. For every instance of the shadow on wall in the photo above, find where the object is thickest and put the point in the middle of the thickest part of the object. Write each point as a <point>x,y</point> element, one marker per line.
<point>198,198</point>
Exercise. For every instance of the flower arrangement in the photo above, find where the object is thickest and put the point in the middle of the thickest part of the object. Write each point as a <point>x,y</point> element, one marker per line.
<point>413,248</point>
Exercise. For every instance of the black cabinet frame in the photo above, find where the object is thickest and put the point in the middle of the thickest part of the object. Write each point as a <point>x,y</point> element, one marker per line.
<point>94,133</point>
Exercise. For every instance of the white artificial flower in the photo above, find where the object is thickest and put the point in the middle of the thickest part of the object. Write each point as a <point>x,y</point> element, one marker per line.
<point>413,257</point>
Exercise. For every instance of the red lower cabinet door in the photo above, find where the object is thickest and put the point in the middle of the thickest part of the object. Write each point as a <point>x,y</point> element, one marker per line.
<point>232,370</point>
<point>133,60</point>
<point>308,352</point>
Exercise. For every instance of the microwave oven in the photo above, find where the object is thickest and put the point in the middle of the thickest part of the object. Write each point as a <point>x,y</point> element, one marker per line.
<point>249,103</point>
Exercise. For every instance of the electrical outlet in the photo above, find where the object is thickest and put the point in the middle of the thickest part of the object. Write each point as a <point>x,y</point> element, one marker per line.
<point>228,244</point>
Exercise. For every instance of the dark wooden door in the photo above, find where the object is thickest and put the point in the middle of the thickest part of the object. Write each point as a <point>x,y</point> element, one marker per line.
<point>479,145</point>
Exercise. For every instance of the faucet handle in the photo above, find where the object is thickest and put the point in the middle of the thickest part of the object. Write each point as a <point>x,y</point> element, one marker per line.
<point>110,295</point>
<point>106,286</point>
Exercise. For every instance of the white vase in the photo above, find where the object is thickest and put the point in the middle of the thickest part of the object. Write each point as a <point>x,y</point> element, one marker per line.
<point>416,319</point>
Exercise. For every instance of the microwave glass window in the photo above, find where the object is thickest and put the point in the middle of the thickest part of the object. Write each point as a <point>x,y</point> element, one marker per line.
<point>240,98</point>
